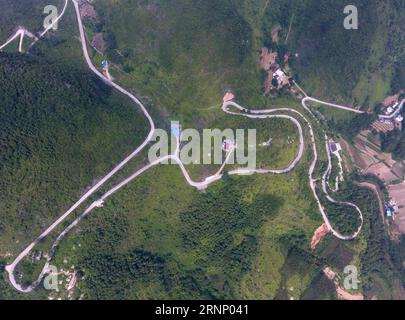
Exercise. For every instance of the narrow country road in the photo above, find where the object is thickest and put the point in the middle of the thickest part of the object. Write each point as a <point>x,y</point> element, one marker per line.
<point>309,99</point>
<point>10,268</point>
<point>254,114</point>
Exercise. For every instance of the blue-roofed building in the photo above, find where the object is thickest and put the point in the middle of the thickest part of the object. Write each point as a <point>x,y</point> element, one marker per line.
<point>389,212</point>
<point>334,147</point>
<point>175,129</point>
<point>104,64</point>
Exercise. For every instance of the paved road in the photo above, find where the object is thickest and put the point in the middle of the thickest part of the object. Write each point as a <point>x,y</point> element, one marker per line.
<point>255,114</point>
<point>395,113</point>
<point>333,105</point>
<point>10,268</point>
<point>325,178</point>
<point>21,32</point>
<point>267,114</point>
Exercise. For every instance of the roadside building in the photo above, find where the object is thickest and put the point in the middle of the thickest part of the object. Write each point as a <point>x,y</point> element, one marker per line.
<point>175,129</point>
<point>335,147</point>
<point>104,64</point>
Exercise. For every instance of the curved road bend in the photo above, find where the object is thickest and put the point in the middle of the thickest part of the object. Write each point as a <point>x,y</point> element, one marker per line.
<point>10,268</point>
<point>200,185</point>
<point>325,178</point>
<point>21,32</point>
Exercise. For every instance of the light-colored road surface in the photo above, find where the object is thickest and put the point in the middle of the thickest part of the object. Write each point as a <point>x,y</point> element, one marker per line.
<point>395,113</point>
<point>333,105</point>
<point>10,268</point>
<point>267,114</point>
<point>21,32</point>
<point>325,178</point>
<point>254,114</point>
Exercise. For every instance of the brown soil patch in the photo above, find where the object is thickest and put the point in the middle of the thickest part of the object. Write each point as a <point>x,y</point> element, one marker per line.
<point>228,96</point>
<point>391,99</point>
<point>267,58</point>
<point>268,85</point>
<point>383,127</point>
<point>382,171</point>
<point>329,273</point>
<point>87,11</point>
<point>98,42</point>
<point>6,255</point>
<point>321,232</point>
<point>344,295</point>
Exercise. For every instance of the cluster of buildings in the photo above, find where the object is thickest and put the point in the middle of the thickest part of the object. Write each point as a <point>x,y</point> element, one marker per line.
<point>276,76</point>
<point>282,79</point>
<point>392,123</point>
<point>391,208</point>
<point>391,108</point>
<point>391,117</point>
<point>335,147</point>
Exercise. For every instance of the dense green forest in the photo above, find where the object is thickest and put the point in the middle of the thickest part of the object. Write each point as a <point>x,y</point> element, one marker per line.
<point>61,129</point>
<point>394,142</point>
<point>27,13</point>
<point>359,67</point>
<point>380,276</point>
<point>218,230</point>
<point>244,237</point>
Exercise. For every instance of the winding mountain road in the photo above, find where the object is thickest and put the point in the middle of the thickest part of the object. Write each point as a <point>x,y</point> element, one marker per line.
<point>21,32</point>
<point>254,114</point>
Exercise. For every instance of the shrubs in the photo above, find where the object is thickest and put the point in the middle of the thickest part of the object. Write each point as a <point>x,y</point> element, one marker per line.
<point>394,142</point>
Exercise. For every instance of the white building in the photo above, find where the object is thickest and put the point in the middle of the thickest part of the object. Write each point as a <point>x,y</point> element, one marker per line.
<point>278,74</point>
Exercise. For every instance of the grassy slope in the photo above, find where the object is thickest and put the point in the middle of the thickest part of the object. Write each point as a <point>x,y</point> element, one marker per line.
<point>349,66</point>
<point>27,13</point>
<point>184,85</point>
<point>138,238</point>
<point>180,80</point>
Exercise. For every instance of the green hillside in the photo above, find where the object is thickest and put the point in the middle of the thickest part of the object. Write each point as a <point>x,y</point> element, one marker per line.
<point>244,237</point>
<point>26,13</point>
<point>61,129</point>
<point>358,67</point>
